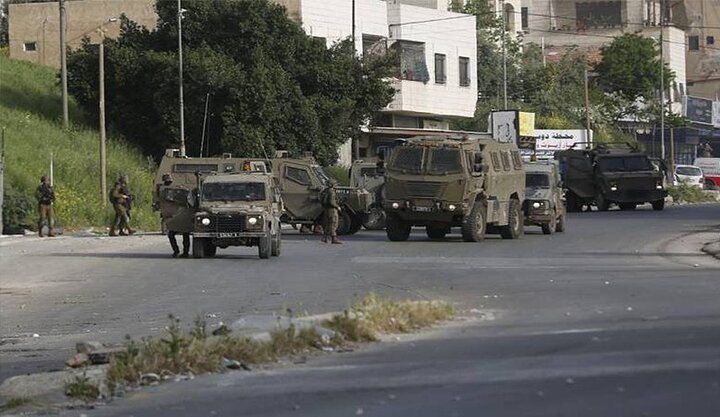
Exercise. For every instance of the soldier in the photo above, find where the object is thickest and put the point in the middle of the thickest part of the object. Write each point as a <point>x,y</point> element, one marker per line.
<point>120,199</point>
<point>331,213</point>
<point>706,151</point>
<point>46,198</point>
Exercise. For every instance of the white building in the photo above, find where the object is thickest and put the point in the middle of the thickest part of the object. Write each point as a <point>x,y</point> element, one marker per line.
<point>435,79</point>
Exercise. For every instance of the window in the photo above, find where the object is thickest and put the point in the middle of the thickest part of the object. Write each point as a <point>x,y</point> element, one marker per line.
<point>598,14</point>
<point>524,17</point>
<point>412,65</point>
<point>495,161</point>
<point>464,71</point>
<point>242,191</point>
<point>407,159</point>
<point>30,46</point>
<point>517,162</point>
<point>693,43</point>
<point>192,168</point>
<point>373,46</point>
<point>298,175</point>
<point>505,161</point>
<point>710,40</point>
<point>440,76</point>
<point>444,161</point>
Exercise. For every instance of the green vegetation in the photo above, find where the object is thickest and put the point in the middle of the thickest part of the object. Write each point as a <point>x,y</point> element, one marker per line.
<point>16,402</point>
<point>181,352</point>
<point>338,173</point>
<point>31,115</point>
<point>689,194</point>
<point>82,388</point>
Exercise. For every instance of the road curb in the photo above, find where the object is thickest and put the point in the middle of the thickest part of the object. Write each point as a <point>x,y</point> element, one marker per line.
<point>712,249</point>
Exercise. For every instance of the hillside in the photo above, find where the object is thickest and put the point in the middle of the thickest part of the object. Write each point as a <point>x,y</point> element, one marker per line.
<point>31,114</point>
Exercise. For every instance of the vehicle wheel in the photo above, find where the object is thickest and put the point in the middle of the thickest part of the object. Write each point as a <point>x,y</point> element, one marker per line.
<point>601,202</point>
<point>355,225</point>
<point>210,249</point>
<point>396,229</point>
<point>276,244</point>
<point>264,246</point>
<point>627,206</point>
<point>658,205</point>
<point>473,227</point>
<point>375,219</point>
<point>436,232</point>
<point>198,247</point>
<point>514,228</point>
<point>560,225</point>
<point>344,223</point>
<point>549,227</point>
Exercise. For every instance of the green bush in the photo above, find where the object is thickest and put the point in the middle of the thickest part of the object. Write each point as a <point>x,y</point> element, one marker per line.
<point>688,194</point>
<point>17,209</point>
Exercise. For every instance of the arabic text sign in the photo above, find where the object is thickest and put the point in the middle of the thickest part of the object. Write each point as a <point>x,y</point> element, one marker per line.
<point>558,140</point>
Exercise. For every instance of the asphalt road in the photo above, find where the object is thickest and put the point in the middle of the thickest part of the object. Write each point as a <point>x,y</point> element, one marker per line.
<point>617,316</point>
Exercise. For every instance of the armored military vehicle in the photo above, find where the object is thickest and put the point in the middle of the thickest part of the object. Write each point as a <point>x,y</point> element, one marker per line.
<point>370,176</point>
<point>544,204</point>
<point>240,209</point>
<point>606,175</point>
<point>467,181</point>
<point>300,182</point>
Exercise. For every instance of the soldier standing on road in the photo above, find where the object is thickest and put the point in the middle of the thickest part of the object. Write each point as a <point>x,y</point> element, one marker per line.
<point>120,198</point>
<point>331,213</point>
<point>172,226</point>
<point>46,198</point>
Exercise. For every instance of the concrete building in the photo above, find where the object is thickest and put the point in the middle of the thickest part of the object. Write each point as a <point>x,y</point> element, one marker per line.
<point>701,21</point>
<point>34,28</point>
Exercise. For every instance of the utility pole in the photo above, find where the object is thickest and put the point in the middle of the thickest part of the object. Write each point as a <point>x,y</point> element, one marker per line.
<point>180,64</point>
<point>63,66</point>
<point>504,53</point>
<point>352,36</point>
<point>103,155</point>
<point>587,108</point>
<point>356,139</point>
<point>662,81</point>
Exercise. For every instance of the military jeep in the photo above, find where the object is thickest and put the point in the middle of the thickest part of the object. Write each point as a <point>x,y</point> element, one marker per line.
<point>370,176</point>
<point>300,182</point>
<point>469,181</point>
<point>544,204</point>
<point>606,175</point>
<point>241,209</point>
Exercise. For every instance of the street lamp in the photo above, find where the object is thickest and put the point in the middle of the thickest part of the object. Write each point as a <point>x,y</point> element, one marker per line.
<point>101,104</point>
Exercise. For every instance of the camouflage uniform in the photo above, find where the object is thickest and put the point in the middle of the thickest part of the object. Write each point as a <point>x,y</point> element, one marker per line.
<point>120,199</point>
<point>46,197</point>
<point>331,215</point>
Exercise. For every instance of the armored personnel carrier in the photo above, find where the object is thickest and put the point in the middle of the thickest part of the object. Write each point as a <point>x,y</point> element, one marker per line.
<point>606,175</point>
<point>300,182</point>
<point>468,181</point>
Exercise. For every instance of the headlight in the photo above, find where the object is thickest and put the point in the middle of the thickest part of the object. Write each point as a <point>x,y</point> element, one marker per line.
<point>205,221</point>
<point>252,220</point>
<point>613,187</point>
<point>452,207</point>
<point>659,187</point>
<point>537,204</point>
<point>395,205</point>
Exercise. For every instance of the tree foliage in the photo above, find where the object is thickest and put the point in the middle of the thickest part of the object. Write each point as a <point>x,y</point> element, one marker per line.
<point>270,86</point>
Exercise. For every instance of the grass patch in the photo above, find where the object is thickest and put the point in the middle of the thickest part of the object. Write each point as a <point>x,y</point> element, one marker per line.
<point>82,388</point>
<point>17,402</point>
<point>193,351</point>
<point>31,116</point>
<point>688,194</point>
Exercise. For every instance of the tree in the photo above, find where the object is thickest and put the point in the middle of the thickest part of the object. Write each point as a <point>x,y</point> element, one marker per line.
<point>271,86</point>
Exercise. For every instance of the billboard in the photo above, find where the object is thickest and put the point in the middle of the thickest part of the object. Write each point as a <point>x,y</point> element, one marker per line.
<point>527,123</point>
<point>504,126</point>
<point>716,114</point>
<point>698,110</point>
<point>548,141</point>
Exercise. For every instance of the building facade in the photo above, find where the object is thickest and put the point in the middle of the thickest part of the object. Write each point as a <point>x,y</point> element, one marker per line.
<point>701,21</point>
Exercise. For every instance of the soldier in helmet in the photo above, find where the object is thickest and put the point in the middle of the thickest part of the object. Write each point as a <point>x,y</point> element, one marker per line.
<point>331,214</point>
<point>120,198</point>
<point>46,198</point>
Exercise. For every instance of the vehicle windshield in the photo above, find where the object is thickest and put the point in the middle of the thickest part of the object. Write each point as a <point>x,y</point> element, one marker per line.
<point>415,160</point>
<point>324,178</point>
<point>224,191</point>
<point>444,161</point>
<point>625,163</point>
<point>407,159</point>
<point>691,171</point>
<point>537,180</point>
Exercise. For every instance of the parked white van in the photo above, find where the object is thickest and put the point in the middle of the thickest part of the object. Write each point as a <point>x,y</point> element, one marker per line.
<point>711,169</point>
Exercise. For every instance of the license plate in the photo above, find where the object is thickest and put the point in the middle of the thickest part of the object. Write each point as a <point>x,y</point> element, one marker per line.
<point>229,234</point>
<point>423,209</point>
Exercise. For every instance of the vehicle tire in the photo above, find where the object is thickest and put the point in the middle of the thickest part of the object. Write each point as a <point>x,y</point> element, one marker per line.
<point>474,225</point>
<point>264,246</point>
<point>628,206</point>
<point>396,229</point>
<point>560,225</point>
<point>601,202</point>
<point>355,225</point>
<point>276,244</point>
<point>375,219</point>
<point>344,223</point>
<point>658,205</point>
<point>436,232</point>
<point>198,247</point>
<point>210,249</point>
<point>514,228</point>
<point>549,227</point>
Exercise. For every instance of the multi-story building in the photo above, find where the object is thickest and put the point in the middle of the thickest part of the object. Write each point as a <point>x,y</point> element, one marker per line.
<point>701,21</point>
<point>436,50</point>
